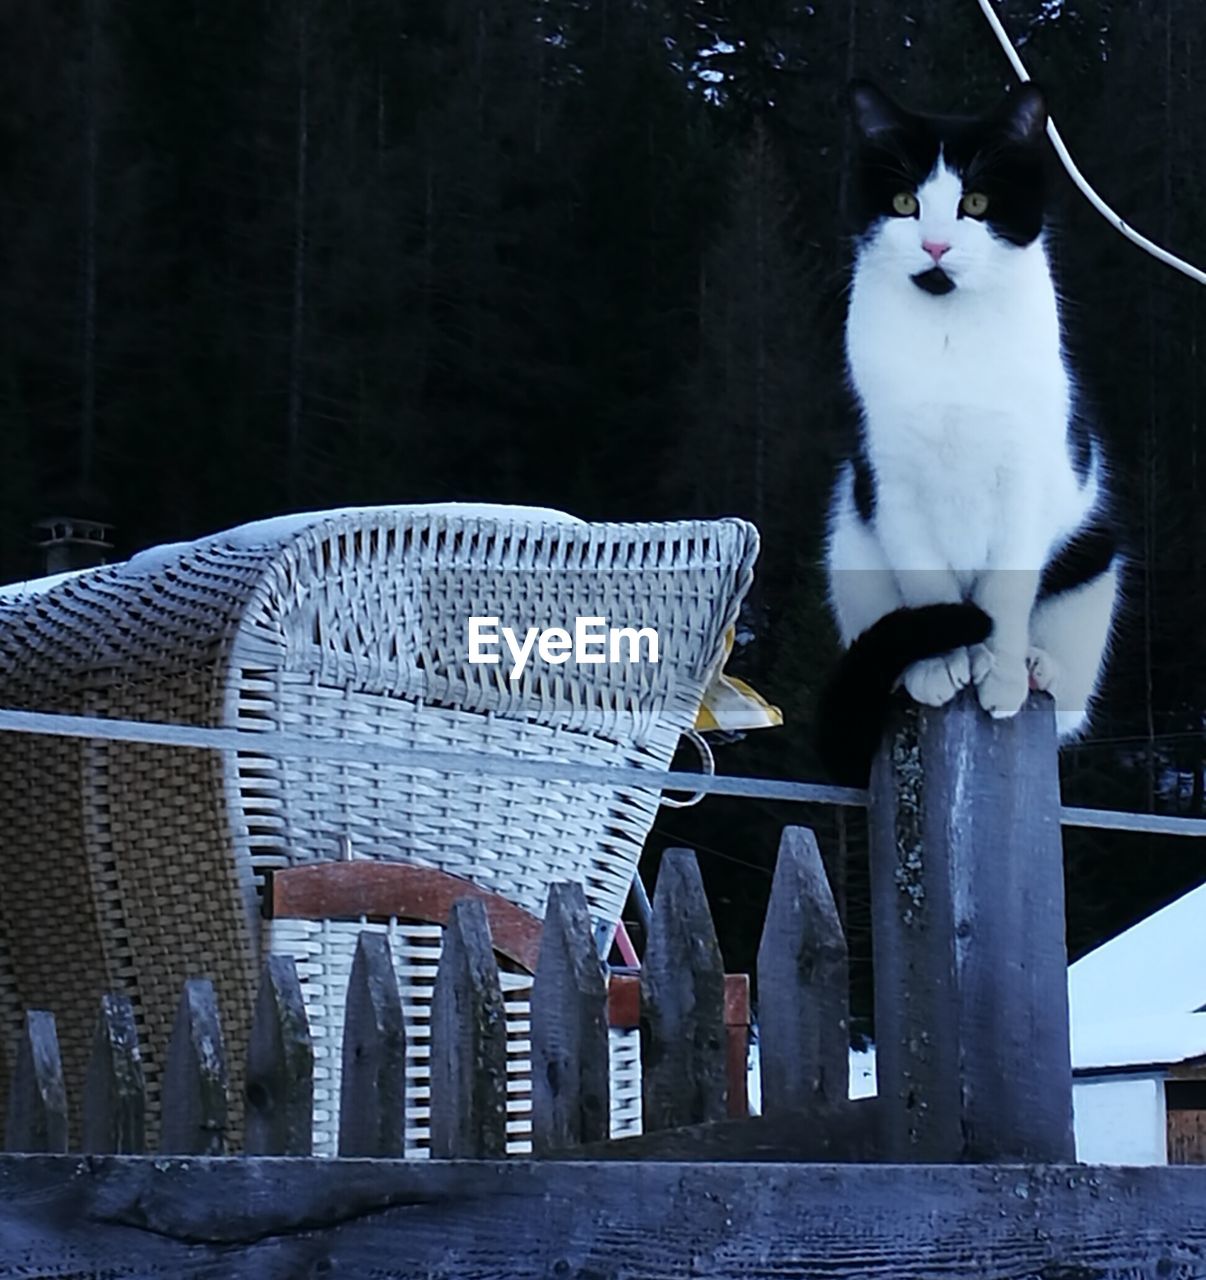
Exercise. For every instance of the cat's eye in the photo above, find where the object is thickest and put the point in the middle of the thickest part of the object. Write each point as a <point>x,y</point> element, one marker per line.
<point>904,203</point>
<point>974,204</point>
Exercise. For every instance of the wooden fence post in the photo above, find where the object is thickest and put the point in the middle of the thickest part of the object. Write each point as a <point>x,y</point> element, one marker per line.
<point>570,1075</point>
<point>468,1042</point>
<point>280,1067</point>
<point>115,1097</point>
<point>971,1009</point>
<point>682,1003</point>
<point>37,1100</point>
<point>803,986</point>
<point>372,1098</point>
<point>194,1077</point>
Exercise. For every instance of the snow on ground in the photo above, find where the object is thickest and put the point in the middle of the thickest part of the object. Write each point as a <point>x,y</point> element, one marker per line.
<point>862,1073</point>
<point>862,1076</point>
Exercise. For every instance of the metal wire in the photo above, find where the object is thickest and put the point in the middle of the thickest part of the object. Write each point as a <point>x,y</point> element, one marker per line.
<point>383,751</point>
<point>1115,220</point>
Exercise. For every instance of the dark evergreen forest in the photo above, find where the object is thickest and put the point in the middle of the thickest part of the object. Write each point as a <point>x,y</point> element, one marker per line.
<point>268,255</point>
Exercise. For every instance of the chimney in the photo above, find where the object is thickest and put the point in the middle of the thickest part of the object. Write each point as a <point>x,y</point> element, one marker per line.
<point>70,542</point>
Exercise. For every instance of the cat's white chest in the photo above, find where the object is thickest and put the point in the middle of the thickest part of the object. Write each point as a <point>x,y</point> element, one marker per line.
<point>949,364</point>
<point>965,407</point>
<point>953,479</point>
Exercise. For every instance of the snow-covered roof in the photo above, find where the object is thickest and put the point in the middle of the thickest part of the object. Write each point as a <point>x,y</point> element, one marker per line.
<point>1161,1040</point>
<point>1134,1000</point>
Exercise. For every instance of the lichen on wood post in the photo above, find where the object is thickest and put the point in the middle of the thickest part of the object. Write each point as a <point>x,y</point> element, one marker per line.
<point>372,1101</point>
<point>570,1073</point>
<point>684,1078</point>
<point>114,1088</point>
<point>468,1042</point>
<point>803,986</point>
<point>971,1014</point>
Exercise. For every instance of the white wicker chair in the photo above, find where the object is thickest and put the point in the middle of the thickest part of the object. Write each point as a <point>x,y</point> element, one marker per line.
<point>131,867</point>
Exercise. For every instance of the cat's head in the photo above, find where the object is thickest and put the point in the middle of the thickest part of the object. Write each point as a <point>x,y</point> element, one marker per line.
<point>945,203</point>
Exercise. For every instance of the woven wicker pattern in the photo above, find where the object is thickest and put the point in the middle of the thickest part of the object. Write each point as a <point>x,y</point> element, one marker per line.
<point>324,951</point>
<point>132,867</point>
<point>625,1071</point>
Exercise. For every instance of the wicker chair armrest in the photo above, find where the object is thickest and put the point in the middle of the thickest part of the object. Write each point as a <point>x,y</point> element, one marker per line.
<point>381,890</point>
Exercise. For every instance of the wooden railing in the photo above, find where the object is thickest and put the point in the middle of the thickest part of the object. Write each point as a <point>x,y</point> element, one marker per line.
<point>961,1167</point>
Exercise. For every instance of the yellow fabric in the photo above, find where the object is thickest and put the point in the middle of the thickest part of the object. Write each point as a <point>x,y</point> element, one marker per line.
<point>729,703</point>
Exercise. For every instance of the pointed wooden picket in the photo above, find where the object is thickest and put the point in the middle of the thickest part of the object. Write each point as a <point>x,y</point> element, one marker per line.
<point>682,1003</point>
<point>115,1088</point>
<point>37,1100</point>
<point>194,1091</point>
<point>803,981</point>
<point>468,1042</point>
<point>279,1104</point>
<point>570,1075</point>
<point>372,1104</point>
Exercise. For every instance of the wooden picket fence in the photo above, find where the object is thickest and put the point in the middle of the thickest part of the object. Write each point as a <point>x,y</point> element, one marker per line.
<point>692,1060</point>
<point>962,1166</point>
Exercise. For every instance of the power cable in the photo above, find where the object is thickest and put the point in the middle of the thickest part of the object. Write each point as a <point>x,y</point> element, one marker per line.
<point>1115,220</point>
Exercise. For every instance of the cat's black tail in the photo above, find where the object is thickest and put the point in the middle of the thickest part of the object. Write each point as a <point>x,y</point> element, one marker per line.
<point>853,709</point>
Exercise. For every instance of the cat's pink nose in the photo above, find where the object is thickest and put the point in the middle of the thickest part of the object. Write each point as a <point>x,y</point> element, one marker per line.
<point>935,248</point>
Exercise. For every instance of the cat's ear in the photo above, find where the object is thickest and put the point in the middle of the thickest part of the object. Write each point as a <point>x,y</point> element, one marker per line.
<point>874,113</point>
<point>1023,114</point>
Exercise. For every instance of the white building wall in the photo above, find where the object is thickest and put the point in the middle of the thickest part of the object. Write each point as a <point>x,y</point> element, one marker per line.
<point>1117,1119</point>
<point>1120,1120</point>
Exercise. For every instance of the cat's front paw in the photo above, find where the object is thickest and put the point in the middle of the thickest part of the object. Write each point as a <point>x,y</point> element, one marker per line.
<point>1003,687</point>
<point>1043,669</point>
<point>935,681</point>
<point>982,661</point>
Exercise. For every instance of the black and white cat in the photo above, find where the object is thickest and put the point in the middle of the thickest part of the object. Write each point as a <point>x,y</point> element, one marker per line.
<point>970,535</point>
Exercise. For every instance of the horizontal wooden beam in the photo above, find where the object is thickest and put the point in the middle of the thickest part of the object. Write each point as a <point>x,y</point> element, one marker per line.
<point>524,1220</point>
<point>847,1135</point>
<point>624,1000</point>
<point>379,890</point>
